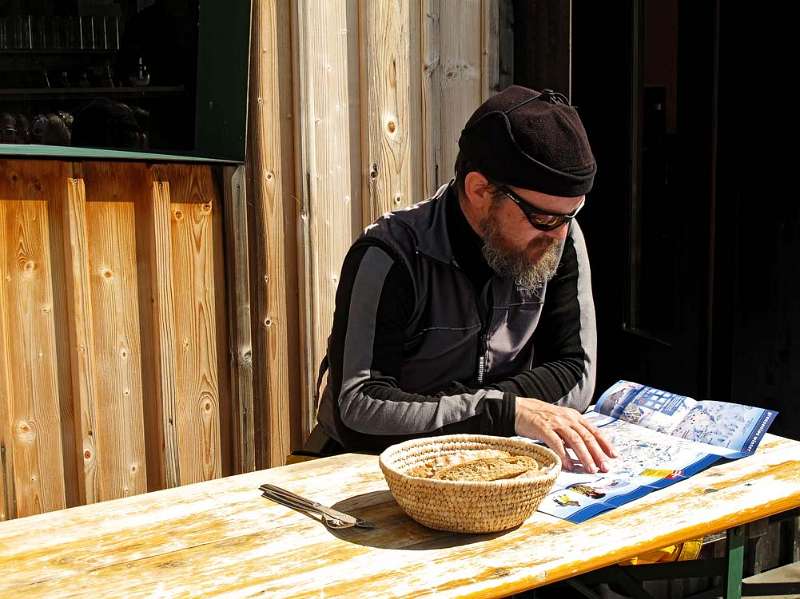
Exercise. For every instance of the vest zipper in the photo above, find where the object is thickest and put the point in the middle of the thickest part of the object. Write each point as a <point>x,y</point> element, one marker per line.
<point>481,357</point>
<point>482,337</point>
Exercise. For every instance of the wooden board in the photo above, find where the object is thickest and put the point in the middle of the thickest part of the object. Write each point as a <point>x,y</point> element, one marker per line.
<point>222,537</point>
<point>271,186</point>
<point>183,215</point>
<point>111,194</point>
<point>391,115</point>
<point>330,156</point>
<point>461,57</point>
<point>240,318</point>
<point>81,354</point>
<point>460,69</point>
<point>30,433</point>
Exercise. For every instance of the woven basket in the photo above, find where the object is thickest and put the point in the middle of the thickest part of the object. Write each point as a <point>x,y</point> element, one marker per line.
<point>466,506</point>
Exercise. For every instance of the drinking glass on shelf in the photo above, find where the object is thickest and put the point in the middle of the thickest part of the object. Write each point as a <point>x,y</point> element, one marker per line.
<point>4,33</point>
<point>55,32</point>
<point>72,32</point>
<point>38,28</point>
<point>88,33</point>
<point>22,32</point>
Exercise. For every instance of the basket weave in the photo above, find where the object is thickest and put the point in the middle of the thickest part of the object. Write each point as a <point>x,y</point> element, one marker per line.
<point>466,506</point>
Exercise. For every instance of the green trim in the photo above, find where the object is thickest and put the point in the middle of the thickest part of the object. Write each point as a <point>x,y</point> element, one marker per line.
<point>223,66</point>
<point>734,554</point>
<point>72,153</point>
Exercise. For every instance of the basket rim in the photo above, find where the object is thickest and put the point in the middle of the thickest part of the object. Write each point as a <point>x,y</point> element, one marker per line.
<point>551,472</point>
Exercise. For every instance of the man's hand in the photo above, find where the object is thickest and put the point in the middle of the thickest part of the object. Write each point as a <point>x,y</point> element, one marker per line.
<point>560,428</point>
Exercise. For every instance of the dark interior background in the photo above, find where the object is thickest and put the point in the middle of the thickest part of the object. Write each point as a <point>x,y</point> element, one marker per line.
<point>692,231</point>
<point>118,74</point>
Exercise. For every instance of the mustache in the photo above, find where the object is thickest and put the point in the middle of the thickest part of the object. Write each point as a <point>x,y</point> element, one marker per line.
<point>542,244</point>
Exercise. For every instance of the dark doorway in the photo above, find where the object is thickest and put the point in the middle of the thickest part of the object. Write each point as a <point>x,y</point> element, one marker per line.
<point>692,259</point>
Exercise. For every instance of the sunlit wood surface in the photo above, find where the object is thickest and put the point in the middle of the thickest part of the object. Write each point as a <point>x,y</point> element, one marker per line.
<point>221,537</point>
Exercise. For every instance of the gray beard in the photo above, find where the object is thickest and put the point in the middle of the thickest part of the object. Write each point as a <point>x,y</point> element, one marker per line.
<point>517,265</point>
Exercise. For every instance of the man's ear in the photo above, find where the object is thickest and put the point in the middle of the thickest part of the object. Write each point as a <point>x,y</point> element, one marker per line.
<point>477,190</point>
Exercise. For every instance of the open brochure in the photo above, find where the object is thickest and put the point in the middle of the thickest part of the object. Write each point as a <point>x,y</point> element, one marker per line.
<point>661,439</point>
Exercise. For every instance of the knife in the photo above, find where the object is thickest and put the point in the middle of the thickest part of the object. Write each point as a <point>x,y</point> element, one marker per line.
<point>296,501</point>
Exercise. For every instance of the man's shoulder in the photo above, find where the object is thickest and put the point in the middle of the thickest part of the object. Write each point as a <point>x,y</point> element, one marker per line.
<point>403,228</point>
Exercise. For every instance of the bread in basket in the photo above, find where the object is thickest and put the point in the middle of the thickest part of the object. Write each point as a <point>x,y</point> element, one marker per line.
<point>469,506</point>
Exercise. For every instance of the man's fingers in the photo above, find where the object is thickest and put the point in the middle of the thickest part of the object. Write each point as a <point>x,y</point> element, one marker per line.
<point>605,444</point>
<point>555,443</point>
<point>575,441</point>
<point>592,444</point>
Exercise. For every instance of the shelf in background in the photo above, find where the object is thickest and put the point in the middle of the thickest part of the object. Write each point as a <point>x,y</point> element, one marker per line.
<point>77,92</point>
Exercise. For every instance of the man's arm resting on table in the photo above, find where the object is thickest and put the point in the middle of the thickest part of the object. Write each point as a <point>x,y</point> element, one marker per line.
<point>373,305</point>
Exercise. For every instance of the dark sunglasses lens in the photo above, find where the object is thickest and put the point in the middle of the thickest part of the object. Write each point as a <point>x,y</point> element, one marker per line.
<point>547,223</point>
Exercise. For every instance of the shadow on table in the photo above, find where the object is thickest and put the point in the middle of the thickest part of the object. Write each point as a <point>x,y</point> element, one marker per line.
<point>394,529</point>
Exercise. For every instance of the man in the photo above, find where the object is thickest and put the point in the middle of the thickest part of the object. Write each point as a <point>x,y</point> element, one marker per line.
<point>472,312</point>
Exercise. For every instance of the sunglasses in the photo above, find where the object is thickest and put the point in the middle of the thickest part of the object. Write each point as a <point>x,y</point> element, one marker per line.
<point>540,219</point>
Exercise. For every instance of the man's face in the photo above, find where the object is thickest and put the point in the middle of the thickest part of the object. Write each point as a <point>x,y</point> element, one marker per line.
<point>513,247</point>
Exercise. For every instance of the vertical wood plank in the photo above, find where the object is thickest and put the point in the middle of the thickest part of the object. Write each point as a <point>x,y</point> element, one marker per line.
<point>112,190</point>
<point>29,384</point>
<point>120,427</point>
<point>391,53</point>
<point>57,193</point>
<point>490,47</point>
<point>192,196</point>
<point>81,336</point>
<point>8,507</point>
<point>330,157</point>
<point>271,168</point>
<point>461,72</point>
<point>164,344</point>
<point>307,344</point>
<point>433,168</point>
<point>195,332</point>
<point>238,270</point>
<point>222,297</point>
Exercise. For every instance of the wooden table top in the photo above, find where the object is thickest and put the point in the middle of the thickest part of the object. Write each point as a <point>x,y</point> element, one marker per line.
<point>222,537</point>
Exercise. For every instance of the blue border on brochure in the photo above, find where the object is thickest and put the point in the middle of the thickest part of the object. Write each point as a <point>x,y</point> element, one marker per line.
<point>585,513</point>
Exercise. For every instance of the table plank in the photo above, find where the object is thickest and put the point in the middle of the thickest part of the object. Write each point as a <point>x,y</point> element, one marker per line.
<point>221,537</point>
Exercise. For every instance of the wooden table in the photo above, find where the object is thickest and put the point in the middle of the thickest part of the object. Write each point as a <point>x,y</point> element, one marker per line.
<point>222,537</point>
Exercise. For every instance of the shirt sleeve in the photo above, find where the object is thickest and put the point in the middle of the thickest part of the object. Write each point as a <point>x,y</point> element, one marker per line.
<point>565,340</point>
<point>374,301</point>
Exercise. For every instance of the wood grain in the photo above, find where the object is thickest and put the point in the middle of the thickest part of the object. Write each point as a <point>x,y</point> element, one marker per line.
<point>238,281</point>
<point>29,387</point>
<point>460,69</point>
<point>275,208</point>
<point>111,192</point>
<point>196,418</point>
<point>221,537</point>
<point>434,169</point>
<point>81,356</point>
<point>391,55</point>
<point>164,432</point>
<point>461,44</point>
<point>330,161</point>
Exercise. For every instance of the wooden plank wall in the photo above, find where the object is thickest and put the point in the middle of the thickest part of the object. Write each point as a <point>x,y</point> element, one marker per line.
<point>382,90</point>
<point>131,356</point>
<point>112,329</point>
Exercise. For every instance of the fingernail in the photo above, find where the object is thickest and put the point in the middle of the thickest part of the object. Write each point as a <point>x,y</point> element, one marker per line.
<point>604,466</point>
<point>592,469</point>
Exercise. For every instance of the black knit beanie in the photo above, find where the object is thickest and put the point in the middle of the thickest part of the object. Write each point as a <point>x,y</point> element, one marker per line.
<point>530,139</point>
